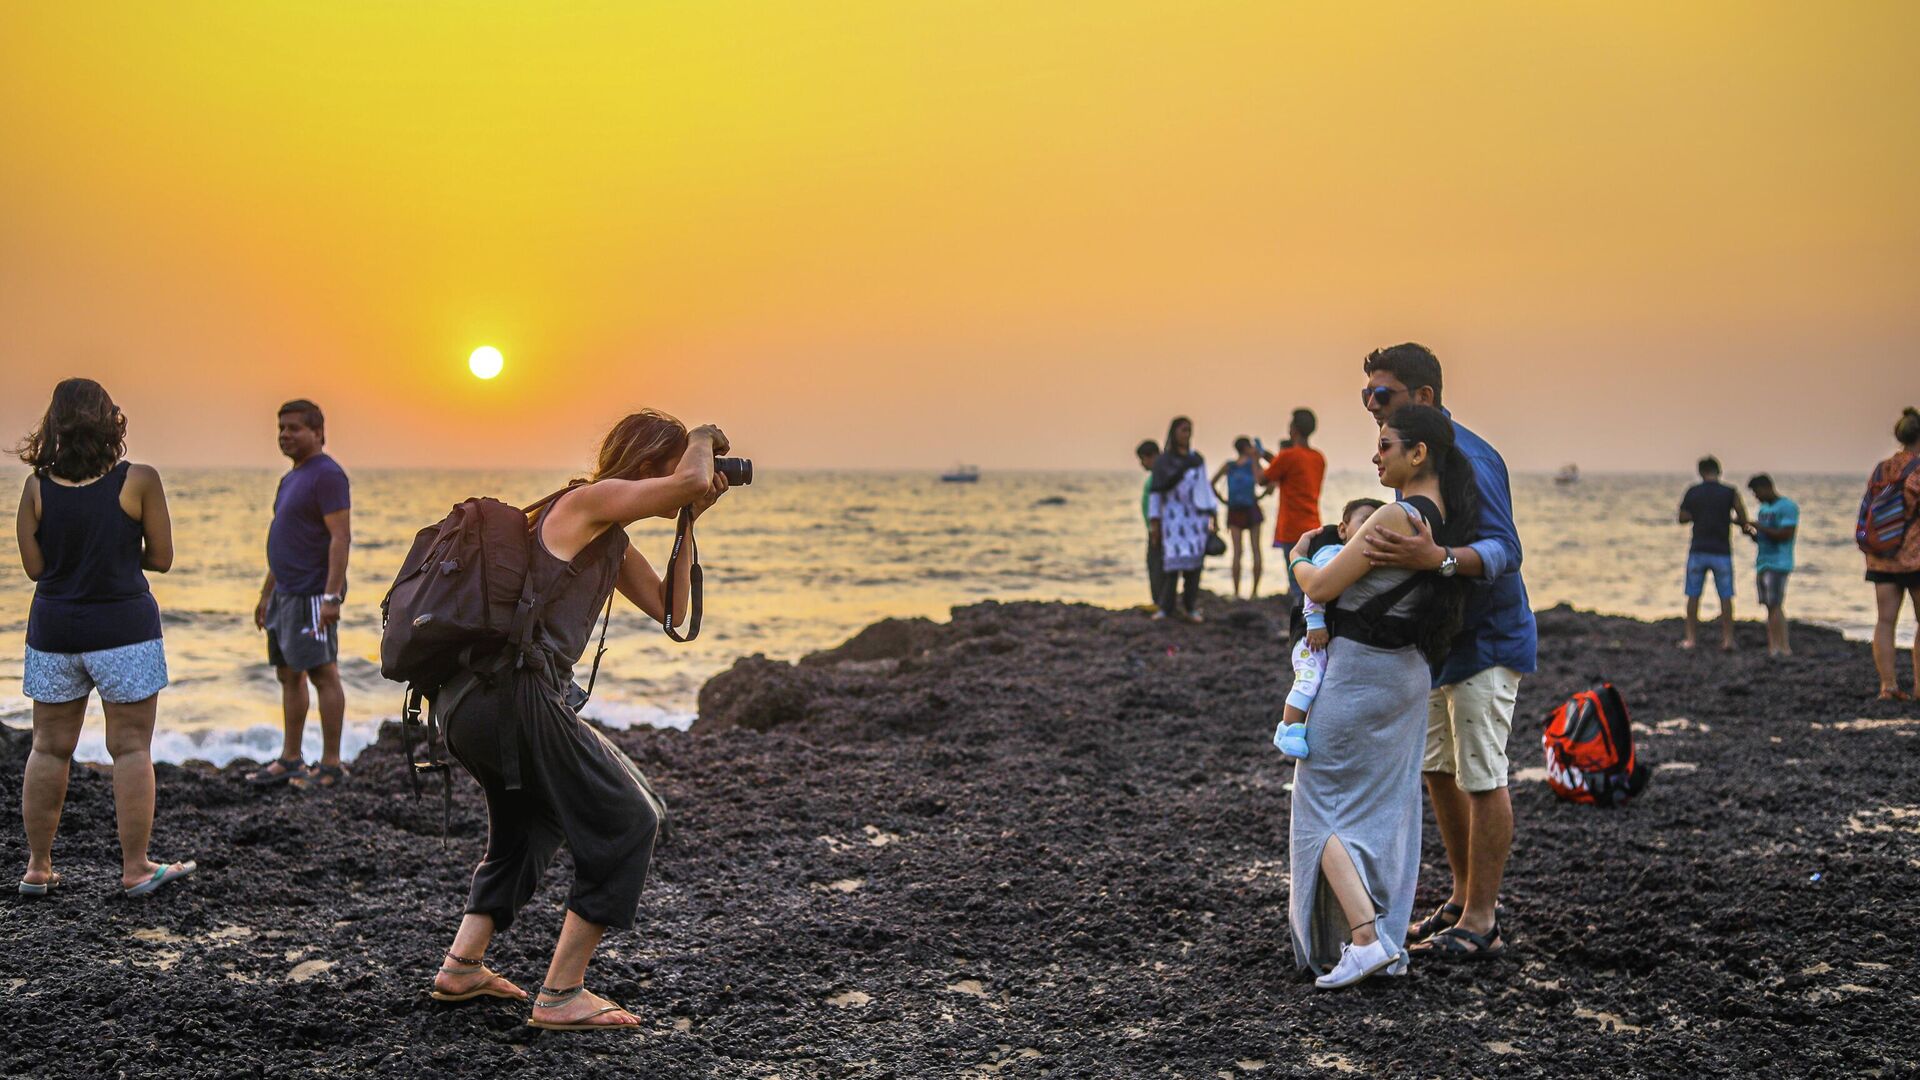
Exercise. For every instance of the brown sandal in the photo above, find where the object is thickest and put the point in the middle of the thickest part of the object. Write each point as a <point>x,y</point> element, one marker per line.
<point>585,1023</point>
<point>488,988</point>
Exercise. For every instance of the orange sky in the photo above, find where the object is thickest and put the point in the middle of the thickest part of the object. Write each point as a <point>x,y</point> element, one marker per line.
<point>905,234</point>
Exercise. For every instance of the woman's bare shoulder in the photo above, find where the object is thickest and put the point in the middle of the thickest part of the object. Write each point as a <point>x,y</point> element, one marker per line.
<point>1397,516</point>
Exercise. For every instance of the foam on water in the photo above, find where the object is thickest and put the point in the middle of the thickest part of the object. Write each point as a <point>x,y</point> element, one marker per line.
<point>261,742</point>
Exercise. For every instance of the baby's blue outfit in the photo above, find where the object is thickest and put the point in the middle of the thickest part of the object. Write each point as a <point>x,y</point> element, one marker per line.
<point>1309,664</point>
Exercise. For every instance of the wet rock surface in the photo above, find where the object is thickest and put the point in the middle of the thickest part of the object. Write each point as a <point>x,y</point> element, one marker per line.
<point>1042,840</point>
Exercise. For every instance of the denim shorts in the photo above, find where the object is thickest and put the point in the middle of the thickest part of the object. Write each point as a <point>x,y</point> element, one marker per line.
<point>1772,585</point>
<point>1699,563</point>
<point>127,674</point>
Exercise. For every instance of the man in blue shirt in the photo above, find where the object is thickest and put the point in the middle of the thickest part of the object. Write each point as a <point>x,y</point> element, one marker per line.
<point>306,583</point>
<point>1773,530</point>
<point>1470,713</point>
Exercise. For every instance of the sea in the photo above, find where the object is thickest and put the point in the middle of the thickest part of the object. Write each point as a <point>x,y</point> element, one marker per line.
<point>801,560</point>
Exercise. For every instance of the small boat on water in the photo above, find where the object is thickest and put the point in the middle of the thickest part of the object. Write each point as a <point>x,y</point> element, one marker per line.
<point>1568,474</point>
<point>961,474</point>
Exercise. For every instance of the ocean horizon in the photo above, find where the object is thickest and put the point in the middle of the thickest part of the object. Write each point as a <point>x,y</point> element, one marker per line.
<point>803,559</point>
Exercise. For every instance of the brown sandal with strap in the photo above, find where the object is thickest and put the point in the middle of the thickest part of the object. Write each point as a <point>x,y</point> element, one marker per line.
<point>1443,917</point>
<point>490,987</point>
<point>585,1023</point>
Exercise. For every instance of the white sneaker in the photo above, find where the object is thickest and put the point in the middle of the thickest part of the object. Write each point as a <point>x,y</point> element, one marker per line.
<point>1357,962</point>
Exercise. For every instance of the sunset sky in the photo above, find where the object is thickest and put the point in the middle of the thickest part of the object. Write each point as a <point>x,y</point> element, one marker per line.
<point>1019,234</point>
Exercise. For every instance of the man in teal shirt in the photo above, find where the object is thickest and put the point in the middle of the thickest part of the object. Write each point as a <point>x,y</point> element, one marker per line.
<point>1149,452</point>
<point>1773,532</point>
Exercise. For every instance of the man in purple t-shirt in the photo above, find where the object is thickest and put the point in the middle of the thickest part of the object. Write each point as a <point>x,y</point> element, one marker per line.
<point>300,601</point>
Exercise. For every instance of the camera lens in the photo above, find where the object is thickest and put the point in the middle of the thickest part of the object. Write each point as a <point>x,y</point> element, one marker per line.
<point>737,470</point>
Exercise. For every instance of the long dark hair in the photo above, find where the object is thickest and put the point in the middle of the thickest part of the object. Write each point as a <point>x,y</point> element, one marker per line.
<point>1441,621</point>
<point>1172,465</point>
<point>82,436</point>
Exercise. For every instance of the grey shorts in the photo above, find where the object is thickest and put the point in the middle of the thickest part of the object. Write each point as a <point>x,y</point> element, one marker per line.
<point>1773,586</point>
<point>296,638</point>
<point>126,674</point>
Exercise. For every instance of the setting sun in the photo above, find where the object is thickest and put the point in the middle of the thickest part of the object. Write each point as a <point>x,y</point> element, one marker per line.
<point>485,362</point>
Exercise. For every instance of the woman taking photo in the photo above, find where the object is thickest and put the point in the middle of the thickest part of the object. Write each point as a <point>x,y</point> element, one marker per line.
<point>1896,574</point>
<point>1180,518</point>
<point>1356,799</point>
<point>90,523</point>
<point>550,778</point>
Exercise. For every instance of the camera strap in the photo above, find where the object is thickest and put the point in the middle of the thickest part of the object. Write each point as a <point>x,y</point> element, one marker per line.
<point>683,545</point>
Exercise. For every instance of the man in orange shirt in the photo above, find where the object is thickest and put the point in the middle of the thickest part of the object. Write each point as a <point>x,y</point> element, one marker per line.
<point>1297,470</point>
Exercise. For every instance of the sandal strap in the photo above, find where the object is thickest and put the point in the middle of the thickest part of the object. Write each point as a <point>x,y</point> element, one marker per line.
<point>1451,939</point>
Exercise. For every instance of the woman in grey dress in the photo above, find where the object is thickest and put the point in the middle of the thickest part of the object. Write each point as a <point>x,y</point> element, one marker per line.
<point>1356,800</point>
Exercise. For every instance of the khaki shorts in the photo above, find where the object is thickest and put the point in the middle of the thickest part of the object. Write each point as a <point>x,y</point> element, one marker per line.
<point>1467,728</point>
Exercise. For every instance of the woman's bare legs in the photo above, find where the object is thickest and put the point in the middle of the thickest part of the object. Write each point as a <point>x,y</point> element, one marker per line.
<point>1916,642</point>
<point>56,731</point>
<point>1886,598</point>
<point>1236,531</point>
<point>463,969</point>
<point>578,939</point>
<point>1344,879</point>
<point>130,743</point>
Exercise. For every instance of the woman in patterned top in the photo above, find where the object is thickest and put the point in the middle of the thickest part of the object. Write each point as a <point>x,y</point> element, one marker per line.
<point>1180,515</point>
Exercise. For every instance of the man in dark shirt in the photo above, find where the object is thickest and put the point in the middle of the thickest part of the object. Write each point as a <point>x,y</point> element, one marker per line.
<point>1711,507</point>
<point>306,583</point>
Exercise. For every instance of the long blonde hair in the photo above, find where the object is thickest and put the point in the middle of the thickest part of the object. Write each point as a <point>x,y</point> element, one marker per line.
<point>644,444</point>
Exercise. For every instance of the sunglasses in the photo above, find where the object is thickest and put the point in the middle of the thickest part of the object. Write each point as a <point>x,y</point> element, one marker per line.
<point>1377,395</point>
<point>1388,444</point>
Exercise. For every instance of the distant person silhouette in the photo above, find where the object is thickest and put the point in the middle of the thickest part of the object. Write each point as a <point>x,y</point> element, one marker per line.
<point>1896,575</point>
<point>1775,523</point>
<point>1149,452</point>
<point>1243,505</point>
<point>1180,515</point>
<point>1711,507</point>
<point>1298,470</point>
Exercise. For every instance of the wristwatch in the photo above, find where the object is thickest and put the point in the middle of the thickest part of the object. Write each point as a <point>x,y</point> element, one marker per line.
<point>341,598</point>
<point>1449,564</point>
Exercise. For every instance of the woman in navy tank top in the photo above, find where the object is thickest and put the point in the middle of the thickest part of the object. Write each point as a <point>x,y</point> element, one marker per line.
<point>91,523</point>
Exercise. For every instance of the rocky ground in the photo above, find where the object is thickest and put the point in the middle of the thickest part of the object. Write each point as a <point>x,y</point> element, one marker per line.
<point>1039,840</point>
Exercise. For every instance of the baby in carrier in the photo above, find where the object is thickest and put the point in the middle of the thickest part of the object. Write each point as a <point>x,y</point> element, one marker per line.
<point>1309,633</point>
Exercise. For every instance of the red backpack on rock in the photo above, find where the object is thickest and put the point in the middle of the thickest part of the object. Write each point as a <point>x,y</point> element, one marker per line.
<point>1589,745</point>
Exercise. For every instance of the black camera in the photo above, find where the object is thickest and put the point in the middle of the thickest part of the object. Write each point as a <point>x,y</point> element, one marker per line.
<point>737,470</point>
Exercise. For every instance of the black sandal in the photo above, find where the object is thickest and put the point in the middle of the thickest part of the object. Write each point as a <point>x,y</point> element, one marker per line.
<point>320,776</point>
<point>1458,944</point>
<point>290,769</point>
<point>1443,917</point>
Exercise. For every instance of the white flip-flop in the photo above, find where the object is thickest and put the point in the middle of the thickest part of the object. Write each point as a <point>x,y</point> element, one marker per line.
<point>169,872</point>
<point>29,888</point>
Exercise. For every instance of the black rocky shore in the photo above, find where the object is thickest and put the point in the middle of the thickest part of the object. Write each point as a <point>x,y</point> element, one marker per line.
<point>1039,840</point>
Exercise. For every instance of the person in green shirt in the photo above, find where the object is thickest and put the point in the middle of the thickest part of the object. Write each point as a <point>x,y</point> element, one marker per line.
<point>1773,531</point>
<point>1149,452</point>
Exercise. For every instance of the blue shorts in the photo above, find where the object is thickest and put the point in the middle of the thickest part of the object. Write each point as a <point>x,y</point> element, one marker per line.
<point>127,674</point>
<point>1722,566</point>
<point>1773,586</point>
